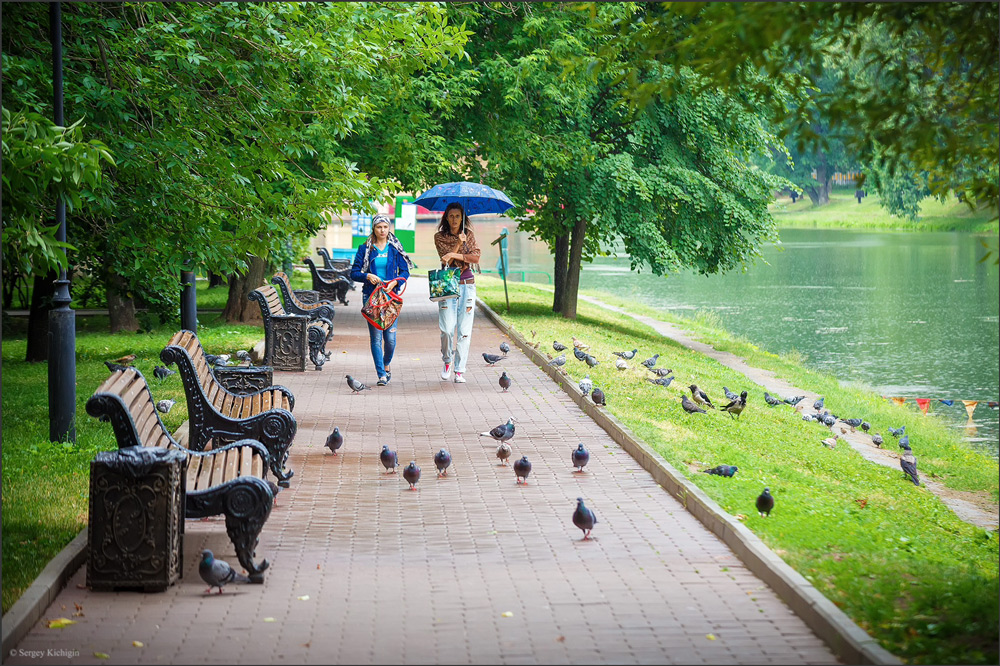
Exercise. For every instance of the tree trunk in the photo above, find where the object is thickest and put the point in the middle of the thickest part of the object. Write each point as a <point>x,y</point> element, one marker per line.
<point>215,280</point>
<point>561,261</point>
<point>121,306</point>
<point>820,193</point>
<point>38,317</point>
<point>573,269</point>
<point>239,308</point>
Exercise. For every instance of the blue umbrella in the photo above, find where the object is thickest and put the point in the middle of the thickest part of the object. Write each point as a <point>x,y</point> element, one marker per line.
<point>476,198</point>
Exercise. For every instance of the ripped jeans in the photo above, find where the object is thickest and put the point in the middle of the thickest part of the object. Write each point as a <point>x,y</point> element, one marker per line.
<point>457,312</point>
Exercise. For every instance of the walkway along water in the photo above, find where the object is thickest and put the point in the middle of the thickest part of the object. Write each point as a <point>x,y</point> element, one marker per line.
<point>469,568</point>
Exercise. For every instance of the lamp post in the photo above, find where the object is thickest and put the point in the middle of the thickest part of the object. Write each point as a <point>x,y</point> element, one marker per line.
<point>189,303</point>
<point>62,319</point>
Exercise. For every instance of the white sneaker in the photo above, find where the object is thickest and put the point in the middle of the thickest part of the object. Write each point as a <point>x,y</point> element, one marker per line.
<point>446,371</point>
<point>459,379</point>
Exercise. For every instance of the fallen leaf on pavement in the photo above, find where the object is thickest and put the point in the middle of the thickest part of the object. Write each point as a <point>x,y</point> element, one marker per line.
<point>102,655</point>
<point>59,623</point>
<point>138,644</point>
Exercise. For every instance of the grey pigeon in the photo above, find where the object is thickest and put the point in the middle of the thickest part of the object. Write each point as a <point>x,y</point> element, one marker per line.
<point>723,470</point>
<point>662,381</point>
<point>700,397</point>
<point>771,400</point>
<point>522,468</point>
<point>621,365</point>
<point>357,386</point>
<point>217,573</point>
<point>650,362</point>
<point>897,432</point>
<point>164,406</point>
<point>628,356</point>
<point>865,426</point>
<point>502,432</point>
<point>796,400</point>
<point>580,355</point>
<point>224,358</point>
<point>504,347</point>
<point>503,452</point>
<point>212,359</point>
<point>904,443</point>
<point>411,474</point>
<point>765,502</point>
<point>736,406</point>
<point>592,361</point>
<point>586,385</point>
<point>244,355</point>
<point>558,360</point>
<point>660,372</point>
<point>810,417</point>
<point>729,394</point>
<point>389,459</point>
<point>580,457</point>
<point>597,395</point>
<point>690,407</point>
<point>854,423</point>
<point>114,367</point>
<point>584,518</point>
<point>334,441</point>
<point>491,358</point>
<point>441,460</point>
<point>829,420</point>
<point>909,464</point>
<point>818,405</point>
<point>877,440</point>
<point>558,346</point>
<point>161,372</point>
<point>505,381</point>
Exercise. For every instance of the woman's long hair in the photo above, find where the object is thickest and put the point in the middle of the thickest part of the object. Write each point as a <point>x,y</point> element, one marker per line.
<point>445,228</point>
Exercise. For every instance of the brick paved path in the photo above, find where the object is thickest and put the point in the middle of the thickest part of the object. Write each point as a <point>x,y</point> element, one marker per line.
<point>427,576</point>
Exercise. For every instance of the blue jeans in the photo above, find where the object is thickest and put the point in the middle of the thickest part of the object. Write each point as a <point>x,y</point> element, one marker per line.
<point>383,346</point>
<point>457,313</point>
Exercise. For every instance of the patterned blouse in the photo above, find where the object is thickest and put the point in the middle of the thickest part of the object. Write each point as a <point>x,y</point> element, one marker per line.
<point>445,242</point>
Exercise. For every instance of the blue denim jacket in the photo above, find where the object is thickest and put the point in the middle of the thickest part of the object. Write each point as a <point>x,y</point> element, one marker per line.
<point>396,267</point>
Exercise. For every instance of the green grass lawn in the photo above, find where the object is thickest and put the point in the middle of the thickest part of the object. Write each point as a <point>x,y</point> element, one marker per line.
<point>843,211</point>
<point>890,554</point>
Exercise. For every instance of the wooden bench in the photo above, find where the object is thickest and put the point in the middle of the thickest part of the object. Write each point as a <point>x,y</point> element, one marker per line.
<point>319,310</point>
<point>220,415</point>
<point>333,264</point>
<point>332,287</point>
<point>228,479</point>
<point>288,338</point>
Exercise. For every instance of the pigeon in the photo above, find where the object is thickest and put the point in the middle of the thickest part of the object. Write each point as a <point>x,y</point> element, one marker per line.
<point>504,347</point>
<point>765,502</point>
<point>161,372</point>
<point>522,468</point>
<point>700,396</point>
<point>357,386</point>
<point>810,417</point>
<point>491,358</point>
<point>729,394</point>
<point>829,420</point>
<point>115,367</point>
<point>592,361</point>
<point>580,355</point>
<point>580,457</point>
<point>334,441</point>
<point>771,400</point>
<point>558,360</point>
<point>388,458</point>
<point>877,440</point>
<point>723,470</point>
<point>558,346</point>
<point>244,355</point>
<point>621,365</point>
<point>584,518</point>
<point>854,423</point>
<point>796,400</point>
<point>660,372</point>
<point>225,358</point>
<point>904,443</point>
<point>125,360</point>
<point>650,362</point>
<point>441,460</point>
<point>502,432</point>
<point>503,452</point>
<point>829,442</point>
<point>505,381</point>
<point>597,395</point>
<point>164,406</point>
<point>411,474</point>
<point>909,464</point>
<point>212,359</point>
<point>818,405</point>
<point>736,406</point>
<point>586,385</point>
<point>628,356</point>
<point>897,432</point>
<point>662,381</point>
<point>579,344</point>
<point>217,573</point>
<point>690,407</point>
<point>865,426</point>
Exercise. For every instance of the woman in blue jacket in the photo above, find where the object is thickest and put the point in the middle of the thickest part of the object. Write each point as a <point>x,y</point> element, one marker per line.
<point>381,259</point>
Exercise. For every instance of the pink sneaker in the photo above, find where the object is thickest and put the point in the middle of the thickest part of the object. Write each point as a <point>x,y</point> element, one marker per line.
<point>446,371</point>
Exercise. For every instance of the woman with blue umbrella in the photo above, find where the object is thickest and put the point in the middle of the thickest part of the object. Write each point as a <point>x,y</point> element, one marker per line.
<point>456,245</point>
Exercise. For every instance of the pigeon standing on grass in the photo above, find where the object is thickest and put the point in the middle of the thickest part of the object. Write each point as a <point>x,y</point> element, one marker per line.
<point>522,468</point>
<point>597,395</point>
<point>161,372</point>
<point>580,355</point>
<point>491,358</point>
<point>217,573</point>
<point>628,356</point>
<point>818,405</point>
<point>505,381</point>
<point>700,397</point>
<point>865,426</point>
<point>584,518</point>
<point>771,400</point>
<point>164,406</point>
<point>115,367</point>
<point>579,344</point>
<point>586,385</point>
<point>727,471</point>
<point>909,464</point>
<point>592,361</point>
<point>389,459</point>
<point>442,459</point>
<point>904,443</point>
<point>357,386</point>
<point>662,381</point>
<point>502,432</point>
<point>651,361</point>
<point>690,407</point>
<point>580,457</point>
<point>796,400</point>
<point>334,441</point>
<point>660,372</point>
<point>244,356</point>
<point>558,346</point>
<point>621,365</point>
<point>897,432</point>
<point>765,502</point>
<point>729,394</point>
<point>411,474</point>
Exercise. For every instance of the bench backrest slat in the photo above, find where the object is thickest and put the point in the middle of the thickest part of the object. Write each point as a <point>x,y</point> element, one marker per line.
<point>124,399</point>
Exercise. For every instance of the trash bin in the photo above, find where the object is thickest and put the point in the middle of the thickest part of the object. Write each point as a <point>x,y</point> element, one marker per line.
<point>136,531</point>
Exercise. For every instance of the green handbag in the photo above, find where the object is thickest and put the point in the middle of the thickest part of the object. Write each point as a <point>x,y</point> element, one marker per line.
<point>444,283</point>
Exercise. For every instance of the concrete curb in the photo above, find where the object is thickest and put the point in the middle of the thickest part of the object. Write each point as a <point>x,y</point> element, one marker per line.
<point>29,608</point>
<point>847,640</point>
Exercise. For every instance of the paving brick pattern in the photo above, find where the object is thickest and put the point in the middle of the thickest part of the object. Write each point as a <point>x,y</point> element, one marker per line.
<point>469,568</point>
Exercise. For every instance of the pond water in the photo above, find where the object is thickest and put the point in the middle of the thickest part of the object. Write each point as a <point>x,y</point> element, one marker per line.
<point>911,314</point>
